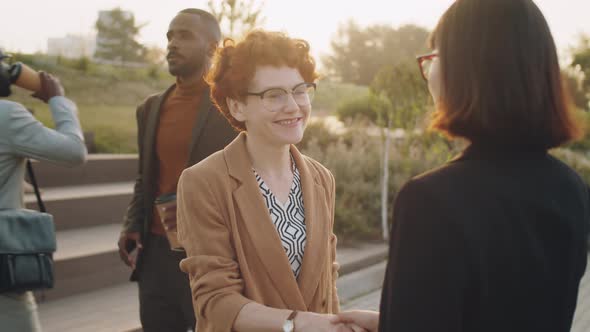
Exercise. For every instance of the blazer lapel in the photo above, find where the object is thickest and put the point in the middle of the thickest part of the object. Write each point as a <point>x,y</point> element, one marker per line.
<point>204,110</point>
<point>149,147</point>
<point>317,224</point>
<point>261,230</point>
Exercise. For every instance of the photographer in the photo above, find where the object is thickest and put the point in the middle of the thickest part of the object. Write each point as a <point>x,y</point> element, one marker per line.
<point>23,137</point>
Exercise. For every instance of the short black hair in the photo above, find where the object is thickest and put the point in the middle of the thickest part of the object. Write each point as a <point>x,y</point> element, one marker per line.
<point>209,21</point>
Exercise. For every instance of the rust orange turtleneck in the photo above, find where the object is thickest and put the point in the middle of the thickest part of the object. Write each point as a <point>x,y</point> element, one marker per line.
<point>173,138</point>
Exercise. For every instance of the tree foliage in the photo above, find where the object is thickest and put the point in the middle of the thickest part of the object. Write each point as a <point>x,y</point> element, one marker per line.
<point>362,107</point>
<point>155,55</point>
<point>359,53</point>
<point>581,63</point>
<point>573,80</point>
<point>117,37</point>
<point>400,95</point>
<point>581,57</point>
<point>397,99</point>
<point>237,17</point>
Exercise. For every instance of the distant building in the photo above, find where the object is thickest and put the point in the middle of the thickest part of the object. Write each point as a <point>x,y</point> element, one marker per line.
<point>71,46</point>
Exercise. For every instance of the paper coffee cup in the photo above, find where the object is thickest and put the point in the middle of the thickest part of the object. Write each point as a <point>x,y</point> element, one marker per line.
<point>165,204</point>
<point>27,78</point>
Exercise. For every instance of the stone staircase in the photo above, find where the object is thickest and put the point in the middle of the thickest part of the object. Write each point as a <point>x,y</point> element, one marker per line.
<point>92,291</point>
<point>88,204</point>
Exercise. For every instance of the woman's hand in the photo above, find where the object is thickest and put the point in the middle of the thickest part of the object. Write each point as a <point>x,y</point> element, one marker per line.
<point>368,320</point>
<point>312,322</point>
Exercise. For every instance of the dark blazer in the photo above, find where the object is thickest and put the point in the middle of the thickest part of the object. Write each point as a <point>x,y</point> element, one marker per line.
<point>495,240</point>
<point>211,133</point>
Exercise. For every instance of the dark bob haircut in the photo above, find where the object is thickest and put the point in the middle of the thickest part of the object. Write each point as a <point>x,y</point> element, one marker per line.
<point>501,81</point>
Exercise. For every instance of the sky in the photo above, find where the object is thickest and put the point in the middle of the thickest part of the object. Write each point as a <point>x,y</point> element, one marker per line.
<point>25,25</point>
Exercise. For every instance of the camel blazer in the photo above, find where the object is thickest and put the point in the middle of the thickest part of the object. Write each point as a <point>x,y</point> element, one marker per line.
<point>234,254</point>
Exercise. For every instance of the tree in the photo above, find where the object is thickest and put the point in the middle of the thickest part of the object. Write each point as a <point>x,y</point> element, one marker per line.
<point>83,64</point>
<point>406,93</point>
<point>359,53</point>
<point>581,64</point>
<point>573,79</point>
<point>155,55</point>
<point>240,16</point>
<point>398,98</point>
<point>401,98</point>
<point>363,107</point>
<point>117,37</point>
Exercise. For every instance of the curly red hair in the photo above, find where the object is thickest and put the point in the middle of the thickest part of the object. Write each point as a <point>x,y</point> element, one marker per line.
<point>234,65</point>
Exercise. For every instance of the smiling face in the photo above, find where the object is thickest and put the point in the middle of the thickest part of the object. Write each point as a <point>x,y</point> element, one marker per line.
<point>278,127</point>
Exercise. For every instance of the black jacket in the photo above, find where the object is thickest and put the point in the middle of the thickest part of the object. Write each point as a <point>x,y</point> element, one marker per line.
<point>494,240</point>
<point>211,133</point>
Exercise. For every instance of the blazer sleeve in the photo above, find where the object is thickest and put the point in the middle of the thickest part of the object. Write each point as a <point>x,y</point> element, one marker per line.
<point>333,242</point>
<point>133,220</point>
<point>63,145</point>
<point>211,262</point>
<point>426,275</point>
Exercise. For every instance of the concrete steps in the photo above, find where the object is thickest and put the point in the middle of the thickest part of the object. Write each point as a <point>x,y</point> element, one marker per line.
<point>113,309</point>
<point>92,291</point>
<point>370,301</point>
<point>81,206</point>
<point>116,308</point>
<point>86,260</point>
<point>88,204</point>
<point>99,168</point>
<point>368,279</point>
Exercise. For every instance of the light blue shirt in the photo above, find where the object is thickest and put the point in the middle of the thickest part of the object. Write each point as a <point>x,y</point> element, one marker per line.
<point>22,136</point>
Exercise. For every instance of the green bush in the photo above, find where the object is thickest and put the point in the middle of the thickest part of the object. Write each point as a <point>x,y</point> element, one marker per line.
<point>83,64</point>
<point>576,160</point>
<point>583,145</point>
<point>154,72</point>
<point>355,159</point>
<point>356,162</point>
<point>357,108</point>
<point>317,136</point>
<point>329,95</point>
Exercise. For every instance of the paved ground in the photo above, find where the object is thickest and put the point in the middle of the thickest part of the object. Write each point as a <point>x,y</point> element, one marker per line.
<point>116,308</point>
<point>581,319</point>
<point>366,302</point>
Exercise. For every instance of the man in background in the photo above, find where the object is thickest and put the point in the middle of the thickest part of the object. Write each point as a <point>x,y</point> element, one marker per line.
<point>176,129</point>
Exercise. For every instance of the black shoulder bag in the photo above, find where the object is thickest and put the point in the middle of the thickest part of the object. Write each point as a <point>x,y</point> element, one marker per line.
<point>27,244</point>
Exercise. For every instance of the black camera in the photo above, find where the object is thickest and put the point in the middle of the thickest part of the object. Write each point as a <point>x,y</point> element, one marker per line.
<point>5,75</point>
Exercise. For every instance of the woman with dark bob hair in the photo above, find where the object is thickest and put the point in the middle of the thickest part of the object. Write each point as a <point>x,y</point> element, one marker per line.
<point>495,240</point>
<point>256,218</point>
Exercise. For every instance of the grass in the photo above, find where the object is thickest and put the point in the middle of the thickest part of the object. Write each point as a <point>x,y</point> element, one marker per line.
<point>330,95</point>
<point>113,127</point>
<point>107,97</point>
<point>109,113</point>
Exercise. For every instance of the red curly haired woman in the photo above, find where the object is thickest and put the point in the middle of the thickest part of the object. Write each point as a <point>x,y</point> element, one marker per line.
<point>256,218</point>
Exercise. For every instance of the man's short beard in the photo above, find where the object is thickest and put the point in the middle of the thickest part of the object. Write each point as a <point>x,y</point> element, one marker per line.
<point>189,69</point>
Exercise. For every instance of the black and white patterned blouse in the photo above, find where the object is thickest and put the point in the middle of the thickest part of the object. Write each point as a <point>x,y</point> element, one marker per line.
<point>289,219</point>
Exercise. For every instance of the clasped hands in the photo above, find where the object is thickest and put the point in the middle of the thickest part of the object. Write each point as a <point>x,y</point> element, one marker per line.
<point>350,321</point>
